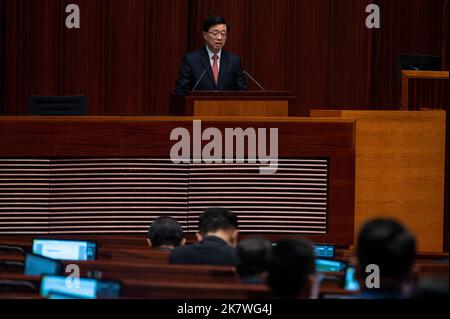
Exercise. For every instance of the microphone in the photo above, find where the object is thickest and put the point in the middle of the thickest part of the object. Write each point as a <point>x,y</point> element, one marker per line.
<point>200,78</point>
<point>246,73</point>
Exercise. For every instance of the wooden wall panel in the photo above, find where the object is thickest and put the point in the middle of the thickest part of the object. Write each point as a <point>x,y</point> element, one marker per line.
<point>267,54</point>
<point>311,65</point>
<point>407,26</point>
<point>350,58</point>
<point>33,44</point>
<point>316,157</point>
<point>166,40</point>
<point>126,55</point>
<point>444,41</point>
<point>234,11</point>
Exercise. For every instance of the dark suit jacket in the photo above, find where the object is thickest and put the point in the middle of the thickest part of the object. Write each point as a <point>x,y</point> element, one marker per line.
<point>231,76</point>
<point>211,251</point>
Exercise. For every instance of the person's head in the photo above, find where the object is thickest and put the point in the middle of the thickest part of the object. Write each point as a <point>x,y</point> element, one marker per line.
<point>390,246</point>
<point>253,256</point>
<point>215,32</point>
<point>165,232</point>
<point>292,269</point>
<point>219,222</point>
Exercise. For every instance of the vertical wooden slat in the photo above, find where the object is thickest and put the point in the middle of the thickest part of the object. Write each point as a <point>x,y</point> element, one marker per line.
<point>407,27</point>
<point>2,55</point>
<point>32,51</point>
<point>166,41</point>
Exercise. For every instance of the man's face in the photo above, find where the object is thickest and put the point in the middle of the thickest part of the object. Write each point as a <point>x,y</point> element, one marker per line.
<point>216,37</point>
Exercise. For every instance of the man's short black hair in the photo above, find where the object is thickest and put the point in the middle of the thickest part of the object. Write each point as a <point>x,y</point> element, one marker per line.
<point>253,256</point>
<point>389,245</point>
<point>215,20</point>
<point>214,219</point>
<point>165,231</point>
<point>291,263</point>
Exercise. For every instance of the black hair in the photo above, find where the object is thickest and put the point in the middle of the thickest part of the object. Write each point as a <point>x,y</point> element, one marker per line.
<point>214,219</point>
<point>165,231</point>
<point>215,20</point>
<point>253,256</point>
<point>389,245</point>
<point>291,262</point>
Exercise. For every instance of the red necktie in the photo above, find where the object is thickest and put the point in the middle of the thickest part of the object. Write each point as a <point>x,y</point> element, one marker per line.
<point>215,68</point>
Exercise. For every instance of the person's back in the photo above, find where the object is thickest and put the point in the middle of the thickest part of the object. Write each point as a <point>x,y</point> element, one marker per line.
<point>216,240</point>
<point>164,234</point>
<point>390,247</point>
<point>253,256</point>
<point>292,270</point>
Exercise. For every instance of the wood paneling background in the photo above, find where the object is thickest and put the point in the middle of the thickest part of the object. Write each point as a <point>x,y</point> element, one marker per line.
<point>407,26</point>
<point>126,55</point>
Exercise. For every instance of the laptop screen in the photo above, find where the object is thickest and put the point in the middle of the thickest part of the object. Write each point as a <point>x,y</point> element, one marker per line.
<point>82,288</point>
<point>65,249</point>
<point>60,285</point>
<point>38,265</point>
<point>324,251</point>
<point>327,265</point>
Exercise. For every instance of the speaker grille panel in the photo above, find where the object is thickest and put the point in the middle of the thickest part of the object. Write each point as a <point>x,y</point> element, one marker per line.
<point>118,196</point>
<point>24,196</point>
<point>294,200</point>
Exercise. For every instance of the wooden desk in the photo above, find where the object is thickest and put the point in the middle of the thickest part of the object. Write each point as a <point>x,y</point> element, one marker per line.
<point>400,158</point>
<point>233,104</point>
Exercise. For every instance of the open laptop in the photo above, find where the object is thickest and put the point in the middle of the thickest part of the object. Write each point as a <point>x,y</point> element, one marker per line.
<point>62,287</point>
<point>36,265</point>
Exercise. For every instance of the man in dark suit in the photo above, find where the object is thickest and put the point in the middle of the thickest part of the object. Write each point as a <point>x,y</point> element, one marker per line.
<point>211,68</point>
<point>217,237</point>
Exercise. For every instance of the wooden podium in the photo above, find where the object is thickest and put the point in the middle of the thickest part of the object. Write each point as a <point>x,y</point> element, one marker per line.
<point>233,104</point>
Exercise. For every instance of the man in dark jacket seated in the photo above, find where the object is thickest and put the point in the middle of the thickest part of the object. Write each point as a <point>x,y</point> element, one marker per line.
<point>217,237</point>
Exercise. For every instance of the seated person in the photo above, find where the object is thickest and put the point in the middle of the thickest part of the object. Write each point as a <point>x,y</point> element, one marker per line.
<point>392,248</point>
<point>292,270</point>
<point>253,256</point>
<point>431,288</point>
<point>218,232</point>
<point>165,233</point>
